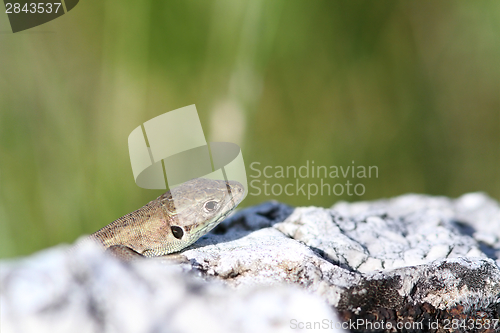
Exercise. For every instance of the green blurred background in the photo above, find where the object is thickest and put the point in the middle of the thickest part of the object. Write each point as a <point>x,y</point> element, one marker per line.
<point>412,87</point>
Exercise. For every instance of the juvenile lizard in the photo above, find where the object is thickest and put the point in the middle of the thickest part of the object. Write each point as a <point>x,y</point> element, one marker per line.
<point>173,221</point>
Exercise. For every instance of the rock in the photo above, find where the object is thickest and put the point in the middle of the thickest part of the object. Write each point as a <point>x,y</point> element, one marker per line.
<point>405,231</point>
<point>85,290</point>
<point>413,259</point>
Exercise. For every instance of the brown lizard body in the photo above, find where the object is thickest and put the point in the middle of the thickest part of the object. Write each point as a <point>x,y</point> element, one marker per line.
<point>173,221</point>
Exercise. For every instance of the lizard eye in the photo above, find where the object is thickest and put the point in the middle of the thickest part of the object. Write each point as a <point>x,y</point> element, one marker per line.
<point>210,206</point>
<point>177,231</point>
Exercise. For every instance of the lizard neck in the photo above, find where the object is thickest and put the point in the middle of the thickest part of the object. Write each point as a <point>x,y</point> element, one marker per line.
<point>127,230</point>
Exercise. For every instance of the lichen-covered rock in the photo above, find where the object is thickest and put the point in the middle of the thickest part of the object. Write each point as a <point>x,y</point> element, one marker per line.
<point>428,252</point>
<point>405,231</point>
<point>410,259</point>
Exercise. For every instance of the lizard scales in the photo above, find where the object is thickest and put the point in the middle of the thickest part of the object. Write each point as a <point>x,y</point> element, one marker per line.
<point>173,221</point>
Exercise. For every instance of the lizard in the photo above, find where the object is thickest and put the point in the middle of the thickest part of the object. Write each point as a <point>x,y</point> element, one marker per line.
<point>171,222</point>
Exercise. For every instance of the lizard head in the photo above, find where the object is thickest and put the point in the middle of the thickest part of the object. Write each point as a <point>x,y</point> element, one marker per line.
<point>193,209</point>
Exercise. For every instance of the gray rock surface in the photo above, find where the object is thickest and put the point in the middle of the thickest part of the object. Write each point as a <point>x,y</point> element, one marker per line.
<point>270,264</point>
<point>85,290</point>
<point>411,239</point>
